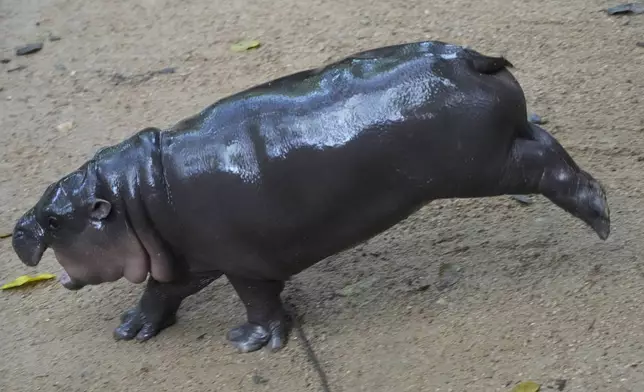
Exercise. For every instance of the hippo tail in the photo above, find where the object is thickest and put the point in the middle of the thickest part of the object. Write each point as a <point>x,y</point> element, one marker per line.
<point>487,64</point>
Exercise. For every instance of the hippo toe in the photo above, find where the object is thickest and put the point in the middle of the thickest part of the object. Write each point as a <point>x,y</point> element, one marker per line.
<point>136,324</point>
<point>250,337</point>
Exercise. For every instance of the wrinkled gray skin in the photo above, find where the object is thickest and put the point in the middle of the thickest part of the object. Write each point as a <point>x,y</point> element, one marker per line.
<point>265,183</point>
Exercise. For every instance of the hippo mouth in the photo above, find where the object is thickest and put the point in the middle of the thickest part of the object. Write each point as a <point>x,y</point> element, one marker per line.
<point>69,283</point>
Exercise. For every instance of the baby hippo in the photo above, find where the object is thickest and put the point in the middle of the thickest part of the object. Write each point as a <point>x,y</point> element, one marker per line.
<point>269,181</point>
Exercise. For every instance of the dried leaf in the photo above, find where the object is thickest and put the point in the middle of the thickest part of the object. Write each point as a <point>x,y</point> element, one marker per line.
<point>28,49</point>
<point>245,45</point>
<point>634,8</point>
<point>24,279</point>
<point>526,386</point>
<point>18,68</point>
<point>5,235</point>
<point>523,199</point>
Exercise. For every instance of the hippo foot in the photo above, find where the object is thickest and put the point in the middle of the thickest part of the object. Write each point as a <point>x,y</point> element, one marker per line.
<point>267,322</point>
<point>158,306</point>
<point>136,325</point>
<point>251,337</point>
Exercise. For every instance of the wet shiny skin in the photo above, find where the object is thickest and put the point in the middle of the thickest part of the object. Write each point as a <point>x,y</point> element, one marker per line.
<point>327,108</point>
<point>297,169</point>
<point>267,182</point>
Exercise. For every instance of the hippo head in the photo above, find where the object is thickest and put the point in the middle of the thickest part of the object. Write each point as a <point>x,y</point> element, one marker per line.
<point>89,234</point>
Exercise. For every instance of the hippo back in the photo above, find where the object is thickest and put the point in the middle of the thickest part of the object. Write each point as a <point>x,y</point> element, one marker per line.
<point>319,108</point>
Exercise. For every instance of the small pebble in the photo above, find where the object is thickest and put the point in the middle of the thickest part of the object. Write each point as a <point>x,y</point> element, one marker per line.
<point>561,384</point>
<point>536,119</point>
<point>5,61</point>
<point>167,70</point>
<point>448,275</point>
<point>357,288</point>
<point>28,49</point>
<point>65,127</point>
<point>258,380</point>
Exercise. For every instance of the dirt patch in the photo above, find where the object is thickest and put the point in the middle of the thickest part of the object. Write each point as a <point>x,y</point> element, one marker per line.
<point>537,295</point>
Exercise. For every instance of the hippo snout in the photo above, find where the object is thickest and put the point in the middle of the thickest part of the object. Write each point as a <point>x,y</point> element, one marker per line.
<point>28,241</point>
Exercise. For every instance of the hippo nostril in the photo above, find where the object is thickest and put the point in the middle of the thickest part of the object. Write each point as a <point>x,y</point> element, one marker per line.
<point>19,237</point>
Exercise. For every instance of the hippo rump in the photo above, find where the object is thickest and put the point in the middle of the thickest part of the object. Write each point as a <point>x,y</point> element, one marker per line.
<point>267,182</point>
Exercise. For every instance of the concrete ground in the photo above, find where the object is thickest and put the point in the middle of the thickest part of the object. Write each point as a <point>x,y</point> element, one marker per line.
<point>529,293</point>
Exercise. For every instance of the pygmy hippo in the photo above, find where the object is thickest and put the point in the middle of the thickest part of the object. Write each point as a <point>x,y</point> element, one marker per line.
<point>267,182</point>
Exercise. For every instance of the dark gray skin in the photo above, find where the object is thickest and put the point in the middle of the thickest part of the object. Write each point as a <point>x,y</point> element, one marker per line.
<point>265,183</point>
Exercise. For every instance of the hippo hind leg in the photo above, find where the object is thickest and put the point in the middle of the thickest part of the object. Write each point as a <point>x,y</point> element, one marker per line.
<point>157,308</point>
<point>267,323</point>
<point>539,164</point>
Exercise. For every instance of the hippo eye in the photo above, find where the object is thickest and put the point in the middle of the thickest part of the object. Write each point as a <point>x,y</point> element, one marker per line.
<point>52,222</point>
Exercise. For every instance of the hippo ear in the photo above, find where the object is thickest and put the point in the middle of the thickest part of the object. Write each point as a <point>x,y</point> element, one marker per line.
<point>100,209</point>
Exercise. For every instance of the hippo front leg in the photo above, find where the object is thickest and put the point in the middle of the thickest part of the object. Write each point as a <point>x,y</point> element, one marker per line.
<point>157,308</point>
<point>267,321</point>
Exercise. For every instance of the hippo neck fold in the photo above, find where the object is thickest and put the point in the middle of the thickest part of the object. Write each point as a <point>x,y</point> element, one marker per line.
<point>132,173</point>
